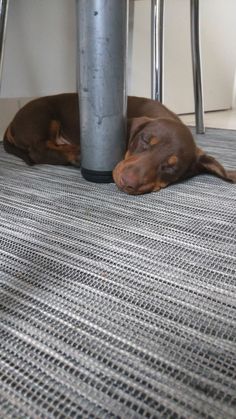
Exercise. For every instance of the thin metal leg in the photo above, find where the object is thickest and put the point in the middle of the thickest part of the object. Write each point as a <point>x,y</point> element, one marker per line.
<point>196,63</point>
<point>130,44</point>
<point>157,38</point>
<point>102,47</point>
<point>3,23</point>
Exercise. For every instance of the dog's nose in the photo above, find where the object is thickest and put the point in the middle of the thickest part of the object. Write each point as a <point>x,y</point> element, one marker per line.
<point>129,182</point>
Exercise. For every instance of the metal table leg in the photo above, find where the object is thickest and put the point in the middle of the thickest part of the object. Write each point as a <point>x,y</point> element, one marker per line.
<point>3,23</point>
<point>196,63</point>
<point>102,39</point>
<point>157,29</point>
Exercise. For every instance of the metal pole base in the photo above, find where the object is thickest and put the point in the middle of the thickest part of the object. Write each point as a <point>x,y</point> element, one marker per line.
<point>97,176</point>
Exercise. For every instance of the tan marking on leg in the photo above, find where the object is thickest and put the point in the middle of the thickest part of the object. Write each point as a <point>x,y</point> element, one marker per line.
<point>70,151</point>
<point>54,129</point>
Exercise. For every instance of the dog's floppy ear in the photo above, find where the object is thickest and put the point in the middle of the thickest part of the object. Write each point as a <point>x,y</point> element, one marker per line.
<point>208,164</point>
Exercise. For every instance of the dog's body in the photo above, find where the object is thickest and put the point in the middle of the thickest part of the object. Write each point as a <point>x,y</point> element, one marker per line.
<point>46,130</point>
<point>160,148</point>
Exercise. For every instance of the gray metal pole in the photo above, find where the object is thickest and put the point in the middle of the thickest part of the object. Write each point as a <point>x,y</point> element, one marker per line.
<point>102,49</point>
<point>157,40</point>
<point>3,23</point>
<point>196,63</point>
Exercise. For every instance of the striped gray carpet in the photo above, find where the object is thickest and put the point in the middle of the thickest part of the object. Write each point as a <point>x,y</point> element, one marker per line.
<point>117,306</point>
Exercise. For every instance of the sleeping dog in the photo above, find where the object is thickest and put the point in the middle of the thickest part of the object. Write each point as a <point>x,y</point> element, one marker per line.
<point>160,148</point>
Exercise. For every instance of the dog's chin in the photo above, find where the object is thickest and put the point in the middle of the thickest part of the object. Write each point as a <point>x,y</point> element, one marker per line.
<point>144,189</point>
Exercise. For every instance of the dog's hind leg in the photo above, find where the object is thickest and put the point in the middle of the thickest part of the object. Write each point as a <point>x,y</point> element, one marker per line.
<point>12,149</point>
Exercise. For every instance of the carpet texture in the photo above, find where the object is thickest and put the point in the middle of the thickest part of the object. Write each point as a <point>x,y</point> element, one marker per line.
<point>117,306</point>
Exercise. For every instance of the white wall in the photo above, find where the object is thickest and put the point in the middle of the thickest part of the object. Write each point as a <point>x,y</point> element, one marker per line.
<point>218,35</point>
<point>40,53</point>
<point>40,56</point>
<point>218,50</point>
<point>139,50</point>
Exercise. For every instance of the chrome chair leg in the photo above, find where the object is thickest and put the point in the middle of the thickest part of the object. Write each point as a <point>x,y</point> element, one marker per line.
<point>3,23</point>
<point>196,64</point>
<point>157,17</point>
<point>130,43</point>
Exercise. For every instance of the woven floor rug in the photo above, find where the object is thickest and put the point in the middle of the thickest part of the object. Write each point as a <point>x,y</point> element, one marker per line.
<point>117,306</point>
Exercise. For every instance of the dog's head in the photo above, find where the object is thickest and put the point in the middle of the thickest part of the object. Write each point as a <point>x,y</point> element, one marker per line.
<point>162,152</point>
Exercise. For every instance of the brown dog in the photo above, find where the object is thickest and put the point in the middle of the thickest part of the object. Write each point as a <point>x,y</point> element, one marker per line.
<point>46,130</point>
<point>160,148</point>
